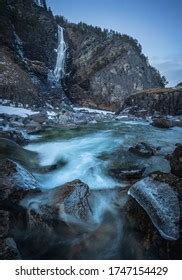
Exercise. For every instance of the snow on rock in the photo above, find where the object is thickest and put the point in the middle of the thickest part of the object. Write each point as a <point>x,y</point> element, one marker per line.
<point>89,110</point>
<point>51,114</point>
<point>161,203</point>
<point>38,3</point>
<point>22,112</point>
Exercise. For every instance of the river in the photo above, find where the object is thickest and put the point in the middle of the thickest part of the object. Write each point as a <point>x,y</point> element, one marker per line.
<point>87,153</point>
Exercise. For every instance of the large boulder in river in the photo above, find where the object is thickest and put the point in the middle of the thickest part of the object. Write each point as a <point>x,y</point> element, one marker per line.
<point>15,182</point>
<point>54,217</point>
<point>69,202</point>
<point>155,210</point>
<point>176,161</point>
<point>162,122</point>
<point>38,220</point>
<point>143,149</point>
<point>161,203</point>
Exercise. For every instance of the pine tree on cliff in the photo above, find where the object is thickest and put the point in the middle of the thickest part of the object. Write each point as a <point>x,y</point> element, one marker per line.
<point>43,4</point>
<point>164,81</point>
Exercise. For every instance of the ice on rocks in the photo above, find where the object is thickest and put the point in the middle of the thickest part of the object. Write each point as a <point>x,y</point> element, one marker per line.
<point>161,203</point>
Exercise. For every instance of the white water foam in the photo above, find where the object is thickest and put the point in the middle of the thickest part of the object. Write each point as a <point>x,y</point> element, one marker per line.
<point>81,155</point>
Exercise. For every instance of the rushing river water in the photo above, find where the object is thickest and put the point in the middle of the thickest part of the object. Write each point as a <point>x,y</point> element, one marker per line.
<point>87,153</point>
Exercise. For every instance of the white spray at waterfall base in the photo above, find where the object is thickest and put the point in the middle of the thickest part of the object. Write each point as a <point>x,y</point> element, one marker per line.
<point>59,71</point>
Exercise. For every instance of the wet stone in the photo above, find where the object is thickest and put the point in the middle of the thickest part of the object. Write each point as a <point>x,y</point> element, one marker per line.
<point>4,223</point>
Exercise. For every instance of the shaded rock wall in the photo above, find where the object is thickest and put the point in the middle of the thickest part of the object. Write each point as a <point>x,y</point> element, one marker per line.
<point>155,101</point>
<point>105,68</point>
<point>28,38</point>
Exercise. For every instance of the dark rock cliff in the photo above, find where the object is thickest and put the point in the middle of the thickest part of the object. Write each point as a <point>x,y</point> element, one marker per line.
<point>28,37</point>
<point>35,27</point>
<point>106,67</point>
<point>166,101</point>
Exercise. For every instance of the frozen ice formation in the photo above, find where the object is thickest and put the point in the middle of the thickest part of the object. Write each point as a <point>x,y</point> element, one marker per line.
<point>161,203</point>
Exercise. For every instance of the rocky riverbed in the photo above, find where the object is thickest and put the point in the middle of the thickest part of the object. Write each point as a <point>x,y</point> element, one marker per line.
<point>91,184</point>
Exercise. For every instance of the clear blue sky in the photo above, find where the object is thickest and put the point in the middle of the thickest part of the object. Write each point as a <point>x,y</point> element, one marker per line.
<point>156,24</point>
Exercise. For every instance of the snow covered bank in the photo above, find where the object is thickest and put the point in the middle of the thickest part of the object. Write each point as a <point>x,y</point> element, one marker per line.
<point>22,112</point>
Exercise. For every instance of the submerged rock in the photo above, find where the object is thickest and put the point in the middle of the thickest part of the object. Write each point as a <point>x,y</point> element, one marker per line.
<point>131,173</point>
<point>162,122</point>
<point>176,161</point>
<point>143,149</point>
<point>158,197</point>
<point>13,151</point>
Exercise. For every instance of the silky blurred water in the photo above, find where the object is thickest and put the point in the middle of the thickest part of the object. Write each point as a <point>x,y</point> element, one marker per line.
<point>82,151</point>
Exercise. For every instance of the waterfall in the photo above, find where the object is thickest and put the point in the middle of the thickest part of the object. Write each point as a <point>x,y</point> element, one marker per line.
<point>18,45</point>
<point>58,73</point>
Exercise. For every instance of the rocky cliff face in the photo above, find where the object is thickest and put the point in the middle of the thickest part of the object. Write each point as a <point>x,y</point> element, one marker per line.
<point>166,101</point>
<point>106,67</point>
<point>29,29</point>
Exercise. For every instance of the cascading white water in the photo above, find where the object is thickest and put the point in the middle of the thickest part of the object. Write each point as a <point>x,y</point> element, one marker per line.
<point>18,45</point>
<point>88,153</point>
<point>58,73</point>
<point>59,70</point>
